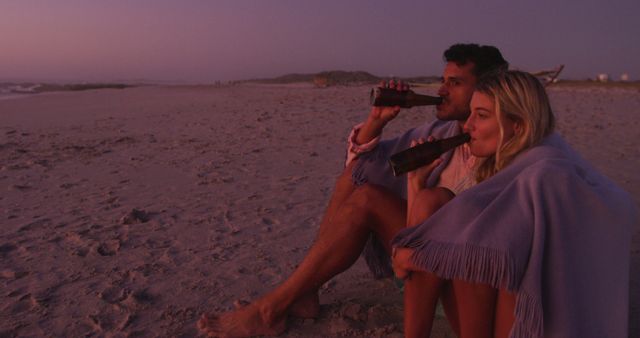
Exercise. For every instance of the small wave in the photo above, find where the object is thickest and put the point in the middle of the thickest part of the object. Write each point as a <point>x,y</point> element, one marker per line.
<point>6,88</point>
<point>14,91</point>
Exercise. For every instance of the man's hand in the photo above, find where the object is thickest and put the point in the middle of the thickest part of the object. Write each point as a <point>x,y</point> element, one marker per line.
<point>386,114</point>
<point>380,116</point>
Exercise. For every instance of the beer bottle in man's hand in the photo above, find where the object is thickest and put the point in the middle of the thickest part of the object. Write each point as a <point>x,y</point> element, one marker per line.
<point>389,97</point>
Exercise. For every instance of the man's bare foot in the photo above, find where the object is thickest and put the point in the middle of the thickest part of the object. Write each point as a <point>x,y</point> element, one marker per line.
<point>307,306</point>
<point>247,321</point>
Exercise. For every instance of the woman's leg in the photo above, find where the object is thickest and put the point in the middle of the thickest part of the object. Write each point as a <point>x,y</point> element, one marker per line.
<point>426,203</point>
<point>505,313</point>
<point>473,310</point>
<point>422,289</point>
<point>421,292</point>
<point>476,305</point>
<point>448,300</point>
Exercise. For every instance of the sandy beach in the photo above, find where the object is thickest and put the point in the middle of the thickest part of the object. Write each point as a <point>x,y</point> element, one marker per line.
<point>130,212</point>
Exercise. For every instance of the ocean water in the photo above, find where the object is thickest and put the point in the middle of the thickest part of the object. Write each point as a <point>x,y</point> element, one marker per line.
<point>15,91</point>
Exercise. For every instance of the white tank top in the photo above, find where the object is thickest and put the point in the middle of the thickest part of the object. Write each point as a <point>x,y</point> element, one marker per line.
<point>459,175</point>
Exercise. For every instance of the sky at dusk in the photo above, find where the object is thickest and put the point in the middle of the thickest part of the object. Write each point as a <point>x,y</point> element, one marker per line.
<point>197,41</point>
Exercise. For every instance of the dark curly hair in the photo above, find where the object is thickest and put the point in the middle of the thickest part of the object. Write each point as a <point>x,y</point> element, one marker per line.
<point>485,58</point>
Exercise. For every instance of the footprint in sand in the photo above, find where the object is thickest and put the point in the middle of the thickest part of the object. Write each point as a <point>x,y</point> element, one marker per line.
<point>108,248</point>
<point>135,216</point>
<point>141,297</point>
<point>110,320</point>
<point>7,248</point>
<point>13,274</point>
<point>22,304</point>
<point>151,243</point>
<point>68,185</point>
<point>113,295</point>
<point>20,187</point>
<point>77,244</point>
<point>270,221</point>
<point>227,219</point>
<point>39,224</point>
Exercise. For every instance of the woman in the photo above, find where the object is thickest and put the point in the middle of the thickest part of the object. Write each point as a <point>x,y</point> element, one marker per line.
<point>529,251</point>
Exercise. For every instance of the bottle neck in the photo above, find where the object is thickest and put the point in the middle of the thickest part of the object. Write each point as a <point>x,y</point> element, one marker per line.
<point>452,142</point>
<point>414,99</point>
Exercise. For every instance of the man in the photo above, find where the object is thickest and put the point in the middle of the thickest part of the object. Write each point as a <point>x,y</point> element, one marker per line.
<point>368,201</point>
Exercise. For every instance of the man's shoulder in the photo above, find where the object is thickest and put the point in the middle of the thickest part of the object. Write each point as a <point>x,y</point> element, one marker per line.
<point>445,124</point>
<point>437,128</point>
<point>439,123</point>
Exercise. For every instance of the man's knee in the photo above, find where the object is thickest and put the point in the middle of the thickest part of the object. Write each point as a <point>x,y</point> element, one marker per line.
<point>356,207</point>
<point>346,177</point>
<point>364,195</point>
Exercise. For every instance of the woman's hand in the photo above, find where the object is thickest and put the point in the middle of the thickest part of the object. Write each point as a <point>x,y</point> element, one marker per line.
<point>401,262</point>
<point>416,179</point>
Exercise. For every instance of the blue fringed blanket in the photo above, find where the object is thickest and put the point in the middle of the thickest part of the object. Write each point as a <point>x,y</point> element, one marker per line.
<point>548,227</point>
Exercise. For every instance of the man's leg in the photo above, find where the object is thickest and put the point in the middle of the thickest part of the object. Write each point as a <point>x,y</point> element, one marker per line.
<point>348,222</point>
<point>368,210</point>
<point>308,305</point>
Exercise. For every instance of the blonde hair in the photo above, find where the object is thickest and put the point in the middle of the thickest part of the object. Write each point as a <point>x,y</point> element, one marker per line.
<point>521,98</point>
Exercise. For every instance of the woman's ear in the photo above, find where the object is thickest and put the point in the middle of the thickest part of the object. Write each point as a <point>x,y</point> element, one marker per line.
<point>517,127</point>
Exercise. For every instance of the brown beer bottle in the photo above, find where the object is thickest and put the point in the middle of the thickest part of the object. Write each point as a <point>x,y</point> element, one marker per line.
<point>423,154</point>
<point>388,97</point>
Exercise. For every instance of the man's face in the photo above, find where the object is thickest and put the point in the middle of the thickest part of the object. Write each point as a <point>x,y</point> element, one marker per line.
<point>458,83</point>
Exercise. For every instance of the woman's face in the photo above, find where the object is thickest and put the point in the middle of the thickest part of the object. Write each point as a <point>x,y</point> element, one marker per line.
<point>484,128</point>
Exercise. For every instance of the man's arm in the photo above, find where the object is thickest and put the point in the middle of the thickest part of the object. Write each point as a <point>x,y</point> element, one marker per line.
<point>380,116</point>
<point>365,136</point>
<point>372,128</point>
<point>354,149</point>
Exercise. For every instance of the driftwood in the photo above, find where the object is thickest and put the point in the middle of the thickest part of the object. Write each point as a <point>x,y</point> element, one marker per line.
<point>549,76</point>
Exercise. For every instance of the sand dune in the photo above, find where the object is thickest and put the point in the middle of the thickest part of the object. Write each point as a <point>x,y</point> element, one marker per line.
<point>131,212</point>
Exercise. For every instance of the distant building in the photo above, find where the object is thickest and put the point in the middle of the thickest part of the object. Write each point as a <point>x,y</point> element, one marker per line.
<point>624,77</point>
<point>602,77</point>
<point>321,81</point>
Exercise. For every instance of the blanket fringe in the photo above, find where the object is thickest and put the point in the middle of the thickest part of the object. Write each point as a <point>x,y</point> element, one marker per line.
<point>377,258</point>
<point>529,321</point>
<point>482,265</point>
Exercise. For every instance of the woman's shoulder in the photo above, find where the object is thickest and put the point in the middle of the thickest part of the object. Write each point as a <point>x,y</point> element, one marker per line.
<point>555,164</point>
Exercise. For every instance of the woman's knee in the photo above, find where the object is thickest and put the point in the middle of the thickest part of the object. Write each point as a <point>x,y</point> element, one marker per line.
<point>428,201</point>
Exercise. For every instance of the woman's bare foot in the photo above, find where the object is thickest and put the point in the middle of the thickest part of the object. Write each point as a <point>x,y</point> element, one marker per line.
<point>247,321</point>
<point>307,306</point>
